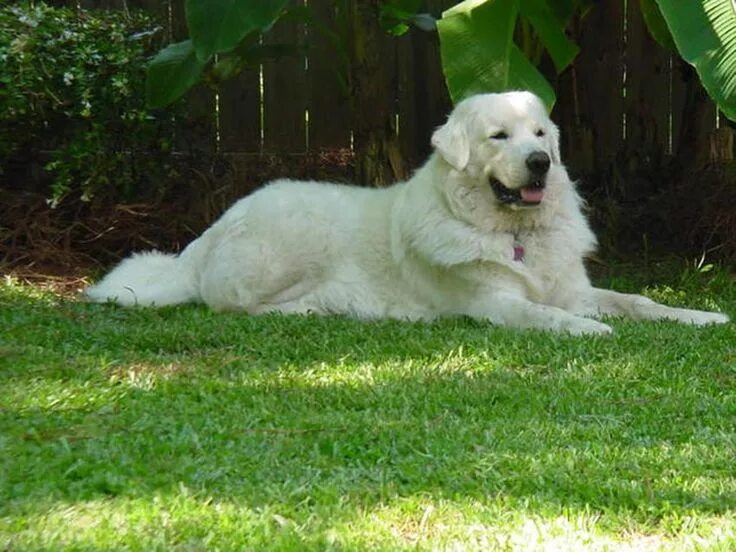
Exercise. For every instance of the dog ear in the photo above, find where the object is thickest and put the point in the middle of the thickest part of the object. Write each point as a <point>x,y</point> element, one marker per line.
<point>451,142</point>
<point>554,136</point>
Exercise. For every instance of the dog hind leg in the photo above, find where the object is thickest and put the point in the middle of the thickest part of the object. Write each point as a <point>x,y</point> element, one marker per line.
<point>253,277</point>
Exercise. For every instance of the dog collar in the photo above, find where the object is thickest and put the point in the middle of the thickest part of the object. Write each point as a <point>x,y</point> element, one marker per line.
<point>518,252</point>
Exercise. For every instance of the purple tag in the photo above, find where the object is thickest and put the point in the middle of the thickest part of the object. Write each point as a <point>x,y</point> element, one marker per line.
<point>518,252</point>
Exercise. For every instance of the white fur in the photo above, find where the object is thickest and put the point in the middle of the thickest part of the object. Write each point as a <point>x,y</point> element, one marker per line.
<point>439,244</point>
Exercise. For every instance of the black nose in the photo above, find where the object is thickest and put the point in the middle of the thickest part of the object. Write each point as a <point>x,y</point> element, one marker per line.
<point>538,163</point>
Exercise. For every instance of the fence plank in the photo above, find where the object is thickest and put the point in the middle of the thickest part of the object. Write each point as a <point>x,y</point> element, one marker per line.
<point>197,133</point>
<point>576,144</point>
<point>240,113</point>
<point>407,91</point>
<point>693,115</point>
<point>678,96</point>
<point>599,81</point>
<point>328,104</point>
<point>424,101</point>
<point>284,92</point>
<point>647,101</point>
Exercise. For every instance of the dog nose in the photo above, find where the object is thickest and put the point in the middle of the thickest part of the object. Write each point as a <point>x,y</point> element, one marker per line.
<point>538,163</point>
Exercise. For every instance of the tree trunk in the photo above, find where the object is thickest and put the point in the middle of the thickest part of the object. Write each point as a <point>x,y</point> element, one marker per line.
<point>378,158</point>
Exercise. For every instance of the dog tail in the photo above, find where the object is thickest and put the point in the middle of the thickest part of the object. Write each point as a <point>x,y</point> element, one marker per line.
<point>148,279</point>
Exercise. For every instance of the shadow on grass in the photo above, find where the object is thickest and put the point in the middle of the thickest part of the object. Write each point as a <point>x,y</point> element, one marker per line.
<point>303,413</point>
<point>299,415</point>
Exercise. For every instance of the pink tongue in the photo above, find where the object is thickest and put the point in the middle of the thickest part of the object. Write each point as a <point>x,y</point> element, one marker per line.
<point>531,195</point>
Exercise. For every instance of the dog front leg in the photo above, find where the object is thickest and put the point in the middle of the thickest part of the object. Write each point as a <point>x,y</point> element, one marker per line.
<point>455,245</point>
<point>507,309</point>
<point>603,302</point>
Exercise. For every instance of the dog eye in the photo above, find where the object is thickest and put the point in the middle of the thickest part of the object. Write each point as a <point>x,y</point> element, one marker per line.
<point>539,133</point>
<point>500,135</point>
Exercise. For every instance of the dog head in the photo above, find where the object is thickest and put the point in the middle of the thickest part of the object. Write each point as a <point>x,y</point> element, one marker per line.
<point>507,141</point>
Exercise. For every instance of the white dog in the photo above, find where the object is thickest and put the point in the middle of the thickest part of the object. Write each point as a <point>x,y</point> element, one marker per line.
<point>489,227</point>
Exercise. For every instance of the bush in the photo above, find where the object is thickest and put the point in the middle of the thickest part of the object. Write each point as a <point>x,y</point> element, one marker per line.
<point>72,83</point>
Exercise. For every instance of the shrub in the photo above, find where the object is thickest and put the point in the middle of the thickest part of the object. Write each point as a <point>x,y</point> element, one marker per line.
<point>72,84</point>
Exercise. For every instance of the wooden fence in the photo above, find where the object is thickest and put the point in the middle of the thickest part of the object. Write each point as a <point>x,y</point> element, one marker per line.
<point>624,97</point>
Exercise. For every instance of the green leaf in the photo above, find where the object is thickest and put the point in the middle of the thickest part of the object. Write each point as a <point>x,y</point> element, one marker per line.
<point>173,71</point>
<point>475,41</point>
<point>524,76</point>
<point>705,35</point>
<point>563,10</point>
<point>478,53</point>
<point>228,66</point>
<point>656,24</point>
<point>217,26</point>
<point>551,32</point>
<point>396,16</point>
<point>395,29</point>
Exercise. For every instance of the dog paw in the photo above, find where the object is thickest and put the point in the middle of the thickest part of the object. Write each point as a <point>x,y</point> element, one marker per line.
<point>586,326</point>
<point>499,248</point>
<point>703,318</point>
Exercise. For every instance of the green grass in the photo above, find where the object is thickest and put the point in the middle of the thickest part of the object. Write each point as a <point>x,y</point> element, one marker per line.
<point>182,429</point>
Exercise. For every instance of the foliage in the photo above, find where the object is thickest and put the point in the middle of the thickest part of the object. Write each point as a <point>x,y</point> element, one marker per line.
<point>71,83</point>
<point>172,72</point>
<point>656,24</point>
<point>184,429</point>
<point>397,16</point>
<point>224,38</point>
<point>479,52</point>
<point>486,45</point>
<point>705,35</point>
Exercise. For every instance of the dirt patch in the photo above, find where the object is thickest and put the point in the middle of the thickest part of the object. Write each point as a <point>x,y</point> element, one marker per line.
<point>61,246</point>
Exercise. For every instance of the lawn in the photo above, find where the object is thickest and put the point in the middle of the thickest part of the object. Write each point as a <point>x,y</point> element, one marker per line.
<point>183,429</point>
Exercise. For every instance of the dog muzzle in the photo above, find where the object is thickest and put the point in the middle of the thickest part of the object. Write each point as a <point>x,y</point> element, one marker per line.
<point>530,195</point>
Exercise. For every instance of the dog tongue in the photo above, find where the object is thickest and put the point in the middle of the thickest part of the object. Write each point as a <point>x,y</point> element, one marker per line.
<point>531,195</point>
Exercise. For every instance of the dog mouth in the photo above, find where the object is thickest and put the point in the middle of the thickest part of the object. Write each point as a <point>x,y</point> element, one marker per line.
<point>530,195</point>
